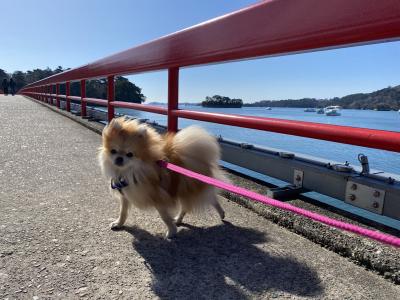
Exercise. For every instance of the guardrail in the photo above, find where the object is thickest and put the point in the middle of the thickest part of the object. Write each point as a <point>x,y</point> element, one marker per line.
<point>268,28</point>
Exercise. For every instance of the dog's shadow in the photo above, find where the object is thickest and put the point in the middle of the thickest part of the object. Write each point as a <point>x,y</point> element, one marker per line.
<point>220,262</point>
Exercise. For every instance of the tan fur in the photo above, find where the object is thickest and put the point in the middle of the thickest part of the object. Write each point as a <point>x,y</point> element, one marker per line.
<point>148,184</point>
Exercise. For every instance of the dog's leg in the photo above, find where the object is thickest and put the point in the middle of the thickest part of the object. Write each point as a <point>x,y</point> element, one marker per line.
<point>123,214</point>
<point>179,218</point>
<point>218,207</point>
<point>168,220</point>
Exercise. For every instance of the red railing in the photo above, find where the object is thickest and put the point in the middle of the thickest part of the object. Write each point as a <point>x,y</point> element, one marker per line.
<point>265,29</point>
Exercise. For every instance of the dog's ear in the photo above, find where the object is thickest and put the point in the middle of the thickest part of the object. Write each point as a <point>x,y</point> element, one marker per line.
<point>142,131</point>
<point>114,125</point>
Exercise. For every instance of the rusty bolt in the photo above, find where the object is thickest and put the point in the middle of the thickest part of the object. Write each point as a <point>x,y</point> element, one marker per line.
<point>377,194</point>
<point>375,204</point>
<point>352,197</point>
<point>354,186</point>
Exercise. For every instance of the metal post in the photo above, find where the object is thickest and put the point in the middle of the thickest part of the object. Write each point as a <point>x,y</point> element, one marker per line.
<point>173,88</point>
<point>110,97</point>
<point>57,94</point>
<point>49,91</point>
<point>83,95</point>
<point>67,101</point>
<point>51,94</point>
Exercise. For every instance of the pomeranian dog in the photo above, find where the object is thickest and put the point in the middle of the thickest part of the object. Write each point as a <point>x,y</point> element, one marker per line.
<point>128,158</point>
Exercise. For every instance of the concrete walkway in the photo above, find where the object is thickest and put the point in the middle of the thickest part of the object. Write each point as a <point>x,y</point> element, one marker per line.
<point>55,241</point>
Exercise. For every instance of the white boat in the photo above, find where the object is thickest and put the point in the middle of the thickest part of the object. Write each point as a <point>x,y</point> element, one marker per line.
<point>268,108</point>
<point>310,109</point>
<point>332,110</point>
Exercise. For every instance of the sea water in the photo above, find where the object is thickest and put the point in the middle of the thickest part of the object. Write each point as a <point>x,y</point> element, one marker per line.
<point>379,159</point>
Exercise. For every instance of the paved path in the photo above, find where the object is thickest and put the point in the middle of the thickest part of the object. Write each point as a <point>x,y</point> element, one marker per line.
<point>55,242</point>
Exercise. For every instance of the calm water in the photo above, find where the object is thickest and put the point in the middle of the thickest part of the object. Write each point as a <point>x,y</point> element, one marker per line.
<point>379,159</point>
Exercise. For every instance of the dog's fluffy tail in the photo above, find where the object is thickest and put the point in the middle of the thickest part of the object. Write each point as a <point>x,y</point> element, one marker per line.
<point>199,151</point>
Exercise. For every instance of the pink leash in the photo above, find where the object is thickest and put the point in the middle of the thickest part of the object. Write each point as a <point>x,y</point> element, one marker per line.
<point>384,238</point>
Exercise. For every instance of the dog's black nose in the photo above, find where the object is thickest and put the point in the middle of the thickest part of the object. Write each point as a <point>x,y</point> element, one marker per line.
<point>119,161</point>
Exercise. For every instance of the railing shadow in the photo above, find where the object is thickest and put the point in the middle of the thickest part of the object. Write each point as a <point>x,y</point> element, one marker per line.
<point>202,263</point>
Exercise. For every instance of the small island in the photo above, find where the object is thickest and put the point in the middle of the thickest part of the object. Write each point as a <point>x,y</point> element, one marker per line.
<point>222,102</point>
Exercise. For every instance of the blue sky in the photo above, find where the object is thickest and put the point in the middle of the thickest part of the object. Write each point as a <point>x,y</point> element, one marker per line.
<point>48,33</point>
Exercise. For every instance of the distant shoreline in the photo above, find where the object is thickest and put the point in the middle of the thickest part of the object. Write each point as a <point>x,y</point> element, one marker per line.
<point>382,100</point>
<point>251,105</point>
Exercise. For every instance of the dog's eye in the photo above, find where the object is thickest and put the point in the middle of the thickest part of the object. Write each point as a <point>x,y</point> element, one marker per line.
<point>113,151</point>
<point>129,154</point>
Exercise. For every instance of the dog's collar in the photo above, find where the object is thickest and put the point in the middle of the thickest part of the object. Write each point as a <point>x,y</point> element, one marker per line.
<point>118,184</point>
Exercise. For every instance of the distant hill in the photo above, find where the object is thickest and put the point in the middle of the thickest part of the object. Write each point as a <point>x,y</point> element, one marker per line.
<point>384,99</point>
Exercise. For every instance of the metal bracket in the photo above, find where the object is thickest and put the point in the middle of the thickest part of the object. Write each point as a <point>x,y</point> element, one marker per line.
<point>286,155</point>
<point>298,178</point>
<point>289,191</point>
<point>365,197</point>
<point>246,146</point>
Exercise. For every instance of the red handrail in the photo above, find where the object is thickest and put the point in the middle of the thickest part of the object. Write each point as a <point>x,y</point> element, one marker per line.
<point>273,27</point>
<point>149,108</point>
<point>373,138</point>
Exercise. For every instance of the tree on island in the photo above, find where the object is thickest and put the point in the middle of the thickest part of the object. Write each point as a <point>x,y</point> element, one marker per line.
<point>221,101</point>
<point>128,91</point>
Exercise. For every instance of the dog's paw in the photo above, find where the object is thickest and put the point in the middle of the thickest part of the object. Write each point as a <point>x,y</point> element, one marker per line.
<point>171,233</point>
<point>116,225</point>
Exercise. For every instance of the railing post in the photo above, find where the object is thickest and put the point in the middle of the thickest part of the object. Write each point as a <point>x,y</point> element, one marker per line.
<point>83,95</point>
<point>67,101</point>
<point>49,91</point>
<point>57,95</point>
<point>51,94</point>
<point>173,88</point>
<point>110,97</point>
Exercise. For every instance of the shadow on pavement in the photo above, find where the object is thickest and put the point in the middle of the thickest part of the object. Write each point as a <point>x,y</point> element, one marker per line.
<point>211,263</point>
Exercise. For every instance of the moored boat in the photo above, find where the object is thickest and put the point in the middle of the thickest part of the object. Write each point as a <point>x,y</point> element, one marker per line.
<point>310,109</point>
<point>332,110</point>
